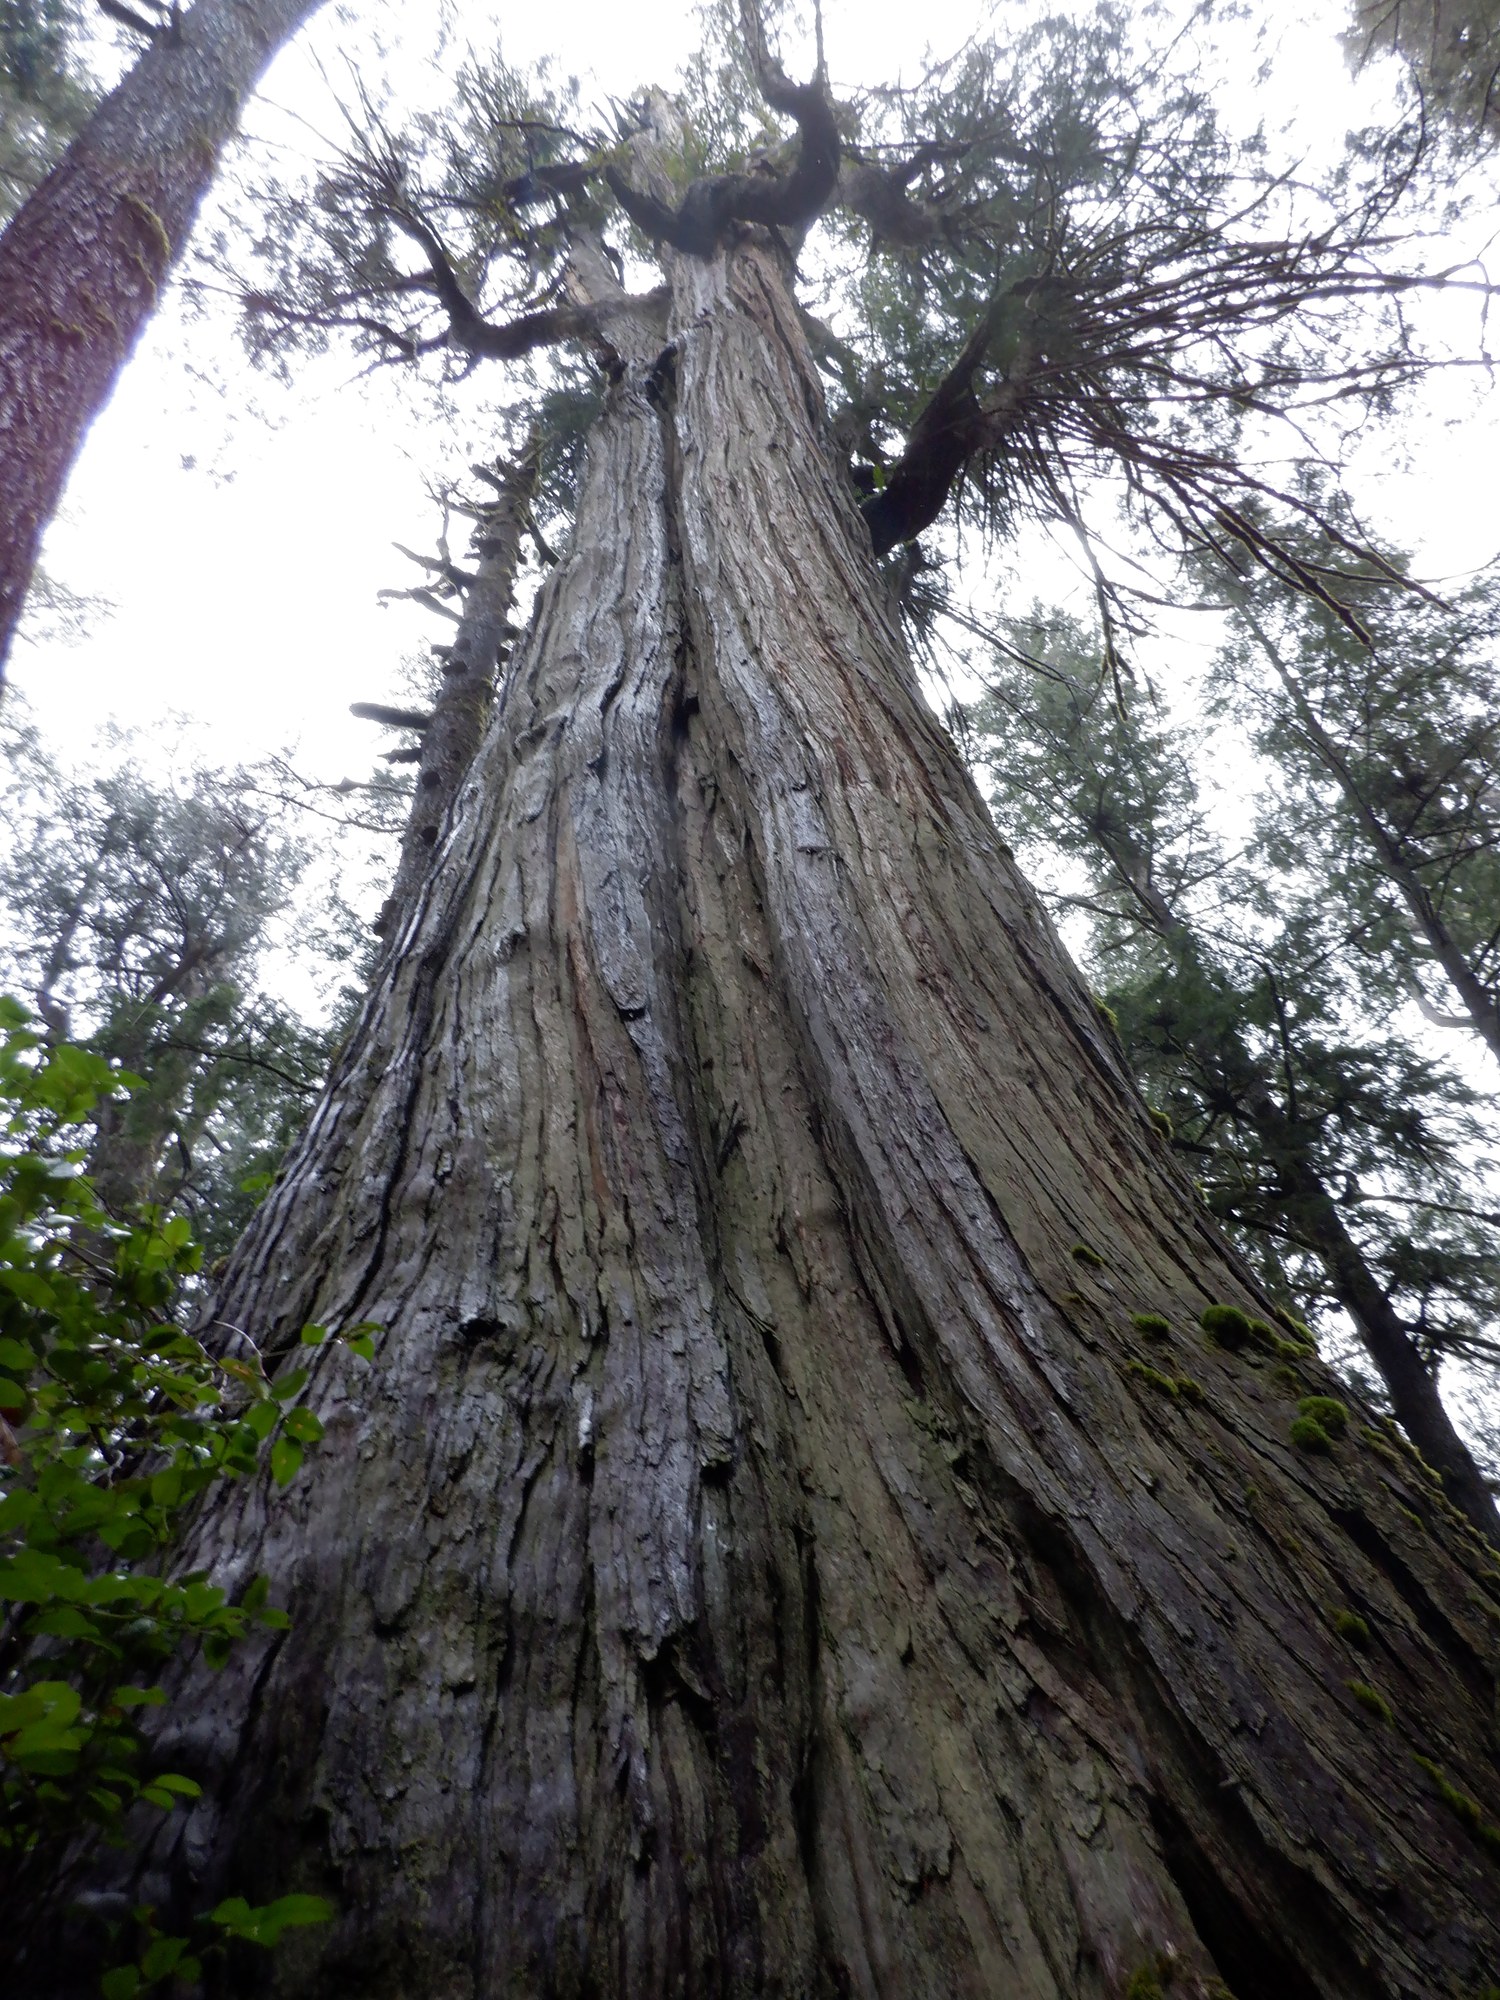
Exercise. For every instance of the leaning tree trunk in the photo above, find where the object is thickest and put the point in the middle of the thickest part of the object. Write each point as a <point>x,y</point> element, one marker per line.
<point>765,1556</point>
<point>83,261</point>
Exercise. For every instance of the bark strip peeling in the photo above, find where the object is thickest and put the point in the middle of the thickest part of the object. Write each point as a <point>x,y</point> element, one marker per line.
<point>766,1558</point>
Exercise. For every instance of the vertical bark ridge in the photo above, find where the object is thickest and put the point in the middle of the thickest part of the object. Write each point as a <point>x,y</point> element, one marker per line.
<point>765,1556</point>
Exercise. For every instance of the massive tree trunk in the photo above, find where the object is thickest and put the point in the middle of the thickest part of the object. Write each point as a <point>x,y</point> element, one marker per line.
<point>765,1557</point>
<point>83,261</point>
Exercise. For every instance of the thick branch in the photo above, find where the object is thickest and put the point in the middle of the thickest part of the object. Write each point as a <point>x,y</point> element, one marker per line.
<point>950,430</point>
<point>390,718</point>
<point>776,201</point>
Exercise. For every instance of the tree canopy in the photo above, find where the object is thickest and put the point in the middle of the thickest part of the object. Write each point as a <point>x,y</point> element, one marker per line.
<point>830,1510</point>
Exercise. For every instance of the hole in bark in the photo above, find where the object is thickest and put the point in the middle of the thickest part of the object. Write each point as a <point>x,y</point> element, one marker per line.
<point>661,383</point>
<point>773,1350</point>
<point>910,1365</point>
<point>664,1679</point>
<point>1248,1952</point>
<point>473,1334</point>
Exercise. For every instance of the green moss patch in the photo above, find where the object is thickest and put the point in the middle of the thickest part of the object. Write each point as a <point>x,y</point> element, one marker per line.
<point>1226,1326</point>
<point>1309,1435</point>
<point>1372,1699</point>
<point>1179,1387</point>
<point>1463,1807</point>
<point>1350,1626</point>
<point>1327,1411</point>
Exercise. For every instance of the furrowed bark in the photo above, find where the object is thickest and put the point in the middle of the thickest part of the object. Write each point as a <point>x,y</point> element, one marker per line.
<point>765,1558</point>
<point>83,261</point>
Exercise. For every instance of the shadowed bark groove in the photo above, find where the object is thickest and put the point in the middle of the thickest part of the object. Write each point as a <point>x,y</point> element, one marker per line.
<point>752,1565</point>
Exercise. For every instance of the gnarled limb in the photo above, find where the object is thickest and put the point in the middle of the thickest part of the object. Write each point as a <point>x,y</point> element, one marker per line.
<point>952,428</point>
<point>776,201</point>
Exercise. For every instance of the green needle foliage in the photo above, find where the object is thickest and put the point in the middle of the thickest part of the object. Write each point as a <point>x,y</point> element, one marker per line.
<point>1385,750</point>
<point>1341,1157</point>
<point>44,93</point>
<point>137,919</point>
<point>113,1421</point>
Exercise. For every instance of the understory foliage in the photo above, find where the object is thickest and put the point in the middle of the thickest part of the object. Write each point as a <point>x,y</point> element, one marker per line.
<point>114,1422</point>
<point>1381,752</point>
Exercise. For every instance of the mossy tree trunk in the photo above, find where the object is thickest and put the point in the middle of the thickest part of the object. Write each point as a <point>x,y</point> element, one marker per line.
<point>765,1557</point>
<point>83,260</point>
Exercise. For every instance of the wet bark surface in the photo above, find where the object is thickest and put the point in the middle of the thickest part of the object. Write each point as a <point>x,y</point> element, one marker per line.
<point>83,261</point>
<point>765,1557</point>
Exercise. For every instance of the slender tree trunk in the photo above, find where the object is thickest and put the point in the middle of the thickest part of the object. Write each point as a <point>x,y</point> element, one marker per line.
<point>467,690</point>
<point>83,261</point>
<point>1477,1000</point>
<point>1413,1388</point>
<point>1410,1383</point>
<point>765,1558</point>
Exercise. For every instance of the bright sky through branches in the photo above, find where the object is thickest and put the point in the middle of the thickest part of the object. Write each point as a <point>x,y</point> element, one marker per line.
<point>243,558</point>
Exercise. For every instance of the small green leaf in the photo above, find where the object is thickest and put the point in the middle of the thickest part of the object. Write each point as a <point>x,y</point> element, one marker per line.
<point>313,1336</point>
<point>134,1697</point>
<point>261,1418</point>
<point>286,1460</point>
<point>122,1983</point>
<point>304,1425</point>
<point>172,1781</point>
<point>161,1957</point>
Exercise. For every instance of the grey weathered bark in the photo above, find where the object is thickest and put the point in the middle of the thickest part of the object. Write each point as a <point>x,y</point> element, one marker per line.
<point>765,1556</point>
<point>1479,1003</point>
<point>466,694</point>
<point>83,261</point>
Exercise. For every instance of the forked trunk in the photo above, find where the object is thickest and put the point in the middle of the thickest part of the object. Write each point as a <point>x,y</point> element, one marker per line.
<point>765,1556</point>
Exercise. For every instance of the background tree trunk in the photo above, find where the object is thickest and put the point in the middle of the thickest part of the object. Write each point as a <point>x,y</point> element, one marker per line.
<point>765,1557</point>
<point>82,262</point>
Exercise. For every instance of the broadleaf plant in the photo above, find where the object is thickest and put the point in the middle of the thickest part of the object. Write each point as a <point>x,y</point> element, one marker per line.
<point>114,1420</point>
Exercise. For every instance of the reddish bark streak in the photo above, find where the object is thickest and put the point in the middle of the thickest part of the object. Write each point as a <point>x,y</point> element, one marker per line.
<point>83,260</point>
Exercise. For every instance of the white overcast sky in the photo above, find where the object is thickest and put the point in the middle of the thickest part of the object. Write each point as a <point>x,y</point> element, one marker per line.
<point>243,556</point>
